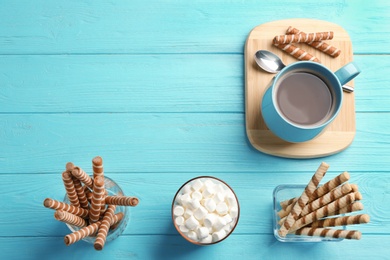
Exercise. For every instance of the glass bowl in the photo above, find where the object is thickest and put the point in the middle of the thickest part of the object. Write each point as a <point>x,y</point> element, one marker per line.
<point>285,192</point>
<point>112,189</point>
<point>205,210</point>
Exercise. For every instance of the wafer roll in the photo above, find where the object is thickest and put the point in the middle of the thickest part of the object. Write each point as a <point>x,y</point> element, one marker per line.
<point>54,204</point>
<point>89,230</point>
<point>70,218</point>
<point>103,229</point>
<point>122,200</point>
<point>356,206</point>
<point>355,187</point>
<point>342,221</point>
<point>70,189</point>
<point>327,232</point>
<point>80,193</point>
<point>285,211</point>
<point>97,166</point>
<point>320,45</point>
<point>69,166</point>
<point>285,203</point>
<point>358,195</point>
<point>327,198</point>
<point>323,211</point>
<point>297,52</point>
<point>303,199</point>
<point>97,197</point>
<point>303,37</point>
<point>82,176</point>
<point>330,185</point>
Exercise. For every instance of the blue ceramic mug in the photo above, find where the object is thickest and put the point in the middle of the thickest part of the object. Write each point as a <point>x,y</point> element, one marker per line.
<point>304,98</point>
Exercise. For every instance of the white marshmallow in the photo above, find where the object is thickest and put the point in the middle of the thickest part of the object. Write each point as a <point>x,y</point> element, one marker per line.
<point>219,197</point>
<point>178,211</point>
<point>210,205</point>
<point>200,213</point>
<point>233,212</point>
<point>197,184</point>
<point>179,220</point>
<point>197,195</point>
<point>188,213</point>
<point>187,189</point>
<point>191,223</point>
<point>192,235</point>
<point>183,229</point>
<point>228,218</point>
<point>231,199</point>
<point>208,192</point>
<point>209,183</point>
<point>218,235</point>
<point>202,232</point>
<point>209,220</point>
<point>207,240</point>
<point>219,188</point>
<point>219,223</point>
<point>194,204</point>
<point>185,199</point>
<point>222,208</point>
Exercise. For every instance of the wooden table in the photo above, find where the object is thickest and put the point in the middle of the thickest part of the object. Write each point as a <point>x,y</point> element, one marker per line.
<point>157,89</point>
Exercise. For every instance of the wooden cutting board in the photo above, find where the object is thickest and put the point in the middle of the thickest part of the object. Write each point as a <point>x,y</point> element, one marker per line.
<point>339,134</point>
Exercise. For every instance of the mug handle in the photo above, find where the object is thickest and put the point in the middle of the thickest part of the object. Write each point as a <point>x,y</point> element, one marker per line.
<point>347,72</point>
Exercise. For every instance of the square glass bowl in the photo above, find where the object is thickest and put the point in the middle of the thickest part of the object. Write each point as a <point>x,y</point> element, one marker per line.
<point>285,192</point>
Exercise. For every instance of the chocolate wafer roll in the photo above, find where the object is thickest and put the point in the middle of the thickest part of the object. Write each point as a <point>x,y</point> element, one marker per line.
<point>303,199</point>
<point>342,221</point>
<point>97,198</point>
<point>323,211</point>
<point>80,193</point>
<point>69,166</point>
<point>104,227</point>
<point>89,230</point>
<point>97,166</point>
<point>122,200</point>
<point>327,232</point>
<point>82,176</point>
<point>303,37</point>
<point>297,52</point>
<point>70,218</point>
<point>356,206</point>
<point>70,189</point>
<point>330,185</point>
<point>327,198</point>
<point>285,203</point>
<point>58,205</point>
<point>320,45</point>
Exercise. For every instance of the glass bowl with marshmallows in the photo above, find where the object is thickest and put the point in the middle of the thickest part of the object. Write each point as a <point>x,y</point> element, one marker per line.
<point>205,210</point>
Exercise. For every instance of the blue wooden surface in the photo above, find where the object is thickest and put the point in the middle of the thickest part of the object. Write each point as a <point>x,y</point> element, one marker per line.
<point>157,89</point>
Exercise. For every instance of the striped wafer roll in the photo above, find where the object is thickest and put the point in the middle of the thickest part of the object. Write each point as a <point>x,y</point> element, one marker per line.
<point>55,204</point>
<point>356,206</point>
<point>70,189</point>
<point>80,193</point>
<point>327,232</point>
<point>89,230</point>
<point>104,227</point>
<point>355,187</point>
<point>323,211</point>
<point>69,218</point>
<point>303,199</point>
<point>285,211</point>
<point>320,45</point>
<point>285,203</point>
<point>330,185</point>
<point>297,52</point>
<point>97,166</point>
<point>96,201</point>
<point>69,166</point>
<point>358,195</point>
<point>327,198</point>
<point>342,221</point>
<point>303,37</point>
<point>122,200</point>
<point>82,176</point>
